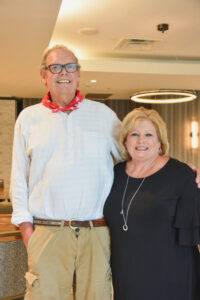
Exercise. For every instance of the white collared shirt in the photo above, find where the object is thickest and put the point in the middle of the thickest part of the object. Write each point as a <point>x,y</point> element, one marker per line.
<point>62,164</point>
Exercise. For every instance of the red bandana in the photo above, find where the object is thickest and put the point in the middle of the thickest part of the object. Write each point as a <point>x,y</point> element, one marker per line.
<point>73,105</point>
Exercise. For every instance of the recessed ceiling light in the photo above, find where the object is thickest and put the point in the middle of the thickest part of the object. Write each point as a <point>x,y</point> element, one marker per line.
<point>93,80</point>
<point>88,31</point>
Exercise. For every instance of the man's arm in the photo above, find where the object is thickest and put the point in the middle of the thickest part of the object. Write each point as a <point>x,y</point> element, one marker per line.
<point>19,190</point>
<point>113,129</point>
<point>26,229</point>
<point>197,170</point>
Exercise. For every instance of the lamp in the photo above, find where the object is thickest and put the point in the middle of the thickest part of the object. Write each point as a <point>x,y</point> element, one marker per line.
<point>164,96</point>
<point>194,134</point>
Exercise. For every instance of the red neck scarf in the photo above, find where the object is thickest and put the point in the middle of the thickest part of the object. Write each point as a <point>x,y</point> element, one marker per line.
<point>73,105</point>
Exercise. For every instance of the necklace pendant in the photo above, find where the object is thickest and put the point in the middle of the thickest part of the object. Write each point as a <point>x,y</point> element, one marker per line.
<point>125,227</point>
<point>121,212</point>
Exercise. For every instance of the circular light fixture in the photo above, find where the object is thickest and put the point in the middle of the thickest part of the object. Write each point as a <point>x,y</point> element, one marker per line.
<point>164,96</point>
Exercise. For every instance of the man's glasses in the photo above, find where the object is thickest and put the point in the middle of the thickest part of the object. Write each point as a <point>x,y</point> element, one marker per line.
<point>57,68</point>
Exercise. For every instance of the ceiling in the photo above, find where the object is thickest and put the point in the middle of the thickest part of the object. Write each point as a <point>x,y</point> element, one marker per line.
<point>98,32</point>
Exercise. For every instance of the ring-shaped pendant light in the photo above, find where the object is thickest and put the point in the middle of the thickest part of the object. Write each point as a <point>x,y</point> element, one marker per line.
<point>164,96</point>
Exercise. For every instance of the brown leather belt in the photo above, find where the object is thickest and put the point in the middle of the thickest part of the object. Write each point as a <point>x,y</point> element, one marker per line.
<point>73,224</point>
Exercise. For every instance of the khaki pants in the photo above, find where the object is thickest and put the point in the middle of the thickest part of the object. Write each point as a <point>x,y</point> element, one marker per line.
<point>57,255</point>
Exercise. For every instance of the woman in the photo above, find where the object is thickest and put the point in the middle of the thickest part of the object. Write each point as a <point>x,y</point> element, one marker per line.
<point>153,212</point>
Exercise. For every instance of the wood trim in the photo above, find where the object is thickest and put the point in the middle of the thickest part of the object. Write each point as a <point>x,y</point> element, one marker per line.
<point>8,231</point>
<point>13,297</point>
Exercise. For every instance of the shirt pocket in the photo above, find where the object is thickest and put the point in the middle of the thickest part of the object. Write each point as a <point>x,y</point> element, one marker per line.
<point>95,144</point>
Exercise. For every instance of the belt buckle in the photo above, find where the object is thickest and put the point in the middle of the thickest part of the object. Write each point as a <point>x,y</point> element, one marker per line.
<point>71,226</point>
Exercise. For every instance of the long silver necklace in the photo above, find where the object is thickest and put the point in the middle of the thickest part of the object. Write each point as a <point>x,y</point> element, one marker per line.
<point>125,215</point>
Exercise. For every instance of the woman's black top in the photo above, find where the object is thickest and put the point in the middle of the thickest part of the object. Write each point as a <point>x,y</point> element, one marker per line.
<point>157,258</point>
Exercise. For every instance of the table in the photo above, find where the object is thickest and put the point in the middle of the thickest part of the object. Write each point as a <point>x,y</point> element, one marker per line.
<point>4,194</point>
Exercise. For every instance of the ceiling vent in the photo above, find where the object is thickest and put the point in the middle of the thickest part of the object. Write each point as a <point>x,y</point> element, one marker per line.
<point>135,44</point>
<point>93,96</point>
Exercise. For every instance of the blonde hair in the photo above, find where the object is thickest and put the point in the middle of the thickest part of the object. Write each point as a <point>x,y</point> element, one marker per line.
<point>49,50</point>
<point>137,115</point>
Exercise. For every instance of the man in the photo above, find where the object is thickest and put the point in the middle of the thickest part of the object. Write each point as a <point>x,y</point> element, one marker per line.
<point>61,175</point>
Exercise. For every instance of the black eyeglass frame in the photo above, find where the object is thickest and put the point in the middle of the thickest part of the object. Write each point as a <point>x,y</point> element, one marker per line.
<point>62,66</point>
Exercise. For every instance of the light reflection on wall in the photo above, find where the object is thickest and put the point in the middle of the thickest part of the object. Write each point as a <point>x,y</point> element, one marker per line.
<point>194,135</point>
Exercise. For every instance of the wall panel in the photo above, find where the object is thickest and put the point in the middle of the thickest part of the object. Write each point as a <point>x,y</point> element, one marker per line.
<point>178,118</point>
<point>7,121</point>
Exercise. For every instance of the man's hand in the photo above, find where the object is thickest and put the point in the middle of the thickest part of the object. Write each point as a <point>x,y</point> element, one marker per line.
<point>197,170</point>
<point>26,229</point>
